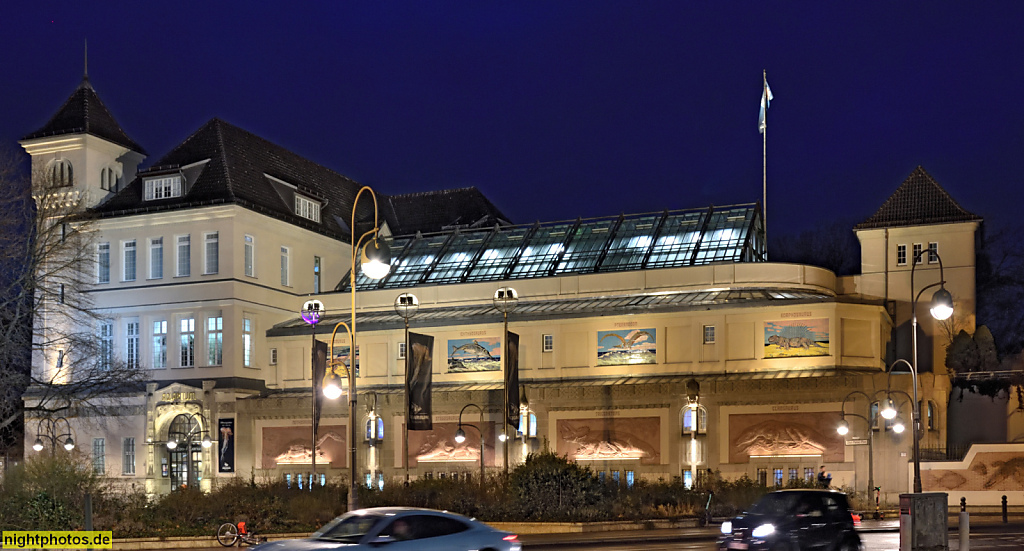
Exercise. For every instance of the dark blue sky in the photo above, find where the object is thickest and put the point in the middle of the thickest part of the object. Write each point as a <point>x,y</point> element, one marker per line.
<point>564,109</point>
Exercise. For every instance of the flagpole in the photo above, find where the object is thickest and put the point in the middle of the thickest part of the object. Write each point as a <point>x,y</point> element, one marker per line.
<point>764,165</point>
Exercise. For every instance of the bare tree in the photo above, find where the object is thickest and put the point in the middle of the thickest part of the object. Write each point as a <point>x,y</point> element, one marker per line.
<point>48,319</point>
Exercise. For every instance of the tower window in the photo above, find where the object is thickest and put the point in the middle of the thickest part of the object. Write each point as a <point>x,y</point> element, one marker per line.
<point>61,173</point>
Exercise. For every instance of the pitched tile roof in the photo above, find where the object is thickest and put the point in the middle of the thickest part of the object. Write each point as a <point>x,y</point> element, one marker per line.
<point>919,200</point>
<point>223,163</point>
<point>433,211</point>
<point>84,112</point>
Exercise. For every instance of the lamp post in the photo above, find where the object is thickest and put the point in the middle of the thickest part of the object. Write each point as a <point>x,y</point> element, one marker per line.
<point>889,412</point>
<point>844,428</point>
<point>505,300</point>
<point>375,260</point>
<point>941,309</point>
<point>51,434</point>
<point>406,305</point>
<point>460,437</point>
<point>312,311</point>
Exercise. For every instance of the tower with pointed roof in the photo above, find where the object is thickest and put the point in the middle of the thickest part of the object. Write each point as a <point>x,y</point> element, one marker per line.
<point>82,147</point>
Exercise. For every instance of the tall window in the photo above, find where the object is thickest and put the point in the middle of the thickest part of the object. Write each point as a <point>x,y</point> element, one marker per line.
<point>108,179</point>
<point>709,334</point>
<point>273,356</point>
<point>250,256</point>
<point>159,344</point>
<point>215,340</point>
<point>187,331</point>
<point>548,343</point>
<point>132,344</point>
<point>316,275</point>
<point>129,260</point>
<point>98,456</point>
<point>128,455</point>
<point>917,254</point>
<point>901,255</point>
<point>284,266</point>
<point>246,342</point>
<point>933,252</point>
<point>156,258</point>
<point>702,420</point>
<point>777,476</point>
<point>61,173</point>
<point>103,263</point>
<point>212,253</point>
<point>184,256</point>
<point>106,345</point>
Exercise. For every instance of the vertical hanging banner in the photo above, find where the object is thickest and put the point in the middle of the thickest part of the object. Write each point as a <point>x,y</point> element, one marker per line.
<point>319,371</point>
<point>418,381</point>
<point>512,379</point>
<point>226,430</point>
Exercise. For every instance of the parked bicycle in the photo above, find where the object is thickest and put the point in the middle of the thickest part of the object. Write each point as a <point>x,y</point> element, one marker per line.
<point>229,534</point>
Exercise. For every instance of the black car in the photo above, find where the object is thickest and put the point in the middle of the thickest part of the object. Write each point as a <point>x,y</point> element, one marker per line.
<point>793,520</point>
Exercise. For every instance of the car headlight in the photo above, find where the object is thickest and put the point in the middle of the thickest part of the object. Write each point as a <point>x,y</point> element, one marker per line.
<point>763,531</point>
<point>727,527</point>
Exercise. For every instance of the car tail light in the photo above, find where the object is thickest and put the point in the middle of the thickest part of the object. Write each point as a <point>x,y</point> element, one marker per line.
<point>510,537</point>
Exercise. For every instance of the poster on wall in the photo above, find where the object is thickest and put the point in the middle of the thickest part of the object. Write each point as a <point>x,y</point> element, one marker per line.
<point>796,338</point>
<point>226,432</point>
<point>626,347</point>
<point>512,380</point>
<point>340,357</point>
<point>418,381</point>
<point>469,355</point>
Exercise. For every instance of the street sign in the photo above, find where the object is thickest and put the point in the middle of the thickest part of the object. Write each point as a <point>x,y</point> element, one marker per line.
<point>857,442</point>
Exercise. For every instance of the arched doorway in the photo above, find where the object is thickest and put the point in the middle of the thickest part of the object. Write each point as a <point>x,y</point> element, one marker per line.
<point>186,458</point>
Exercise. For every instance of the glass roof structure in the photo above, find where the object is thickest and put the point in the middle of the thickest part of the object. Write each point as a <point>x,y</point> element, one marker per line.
<point>666,239</point>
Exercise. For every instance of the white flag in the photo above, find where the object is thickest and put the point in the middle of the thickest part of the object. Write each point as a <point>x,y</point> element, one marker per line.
<point>766,98</point>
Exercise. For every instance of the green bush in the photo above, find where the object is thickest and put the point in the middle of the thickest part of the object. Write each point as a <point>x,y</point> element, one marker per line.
<point>47,493</point>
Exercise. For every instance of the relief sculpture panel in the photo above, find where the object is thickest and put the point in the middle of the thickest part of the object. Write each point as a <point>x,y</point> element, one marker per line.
<point>611,439</point>
<point>785,434</point>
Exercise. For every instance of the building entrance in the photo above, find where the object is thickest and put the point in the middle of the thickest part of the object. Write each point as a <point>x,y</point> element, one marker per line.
<point>186,455</point>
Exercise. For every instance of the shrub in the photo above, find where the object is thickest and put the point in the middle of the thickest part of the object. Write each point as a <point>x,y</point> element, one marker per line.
<point>48,493</point>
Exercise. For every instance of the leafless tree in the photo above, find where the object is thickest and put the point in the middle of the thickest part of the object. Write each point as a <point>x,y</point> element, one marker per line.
<point>48,318</point>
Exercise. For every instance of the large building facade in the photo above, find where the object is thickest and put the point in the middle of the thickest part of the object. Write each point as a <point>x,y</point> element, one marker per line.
<point>650,346</point>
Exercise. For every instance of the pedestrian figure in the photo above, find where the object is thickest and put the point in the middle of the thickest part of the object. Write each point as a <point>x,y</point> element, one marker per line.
<point>824,478</point>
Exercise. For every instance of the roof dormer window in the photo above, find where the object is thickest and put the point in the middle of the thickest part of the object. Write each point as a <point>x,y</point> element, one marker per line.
<point>164,187</point>
<point>307,208</point>
<point>61,173</point>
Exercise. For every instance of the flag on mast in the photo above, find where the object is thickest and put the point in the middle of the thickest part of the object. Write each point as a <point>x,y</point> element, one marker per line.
<point>766,98</point>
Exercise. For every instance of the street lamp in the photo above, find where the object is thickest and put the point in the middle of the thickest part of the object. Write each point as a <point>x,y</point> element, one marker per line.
<point>375,259</point>
<point>505,300</point>
<point>312,312</point>
<point>844,429</point>
<point>941,309</point>
<point>52,435</point>
<point>460,437</point>
<point>406,305</point>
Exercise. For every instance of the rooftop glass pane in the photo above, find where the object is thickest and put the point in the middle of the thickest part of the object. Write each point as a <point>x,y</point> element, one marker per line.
<point>412,266</point>
<point>631,244</point>
<point>675,243</point>
<point>541,252</point>
<point>586,247</point>
<point>500,252</point>
<point>456,257</point>
<point>396,245</point>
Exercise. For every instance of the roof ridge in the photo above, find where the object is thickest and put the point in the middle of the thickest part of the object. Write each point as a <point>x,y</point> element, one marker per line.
<point>918,200</point>
<point>436,192</point>
<point>221,147</point>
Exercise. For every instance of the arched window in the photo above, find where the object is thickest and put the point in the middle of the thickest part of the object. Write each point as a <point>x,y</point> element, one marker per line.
<point>375,429</point>
<point>186,459</point>
<point>527,423</point>
<point>688,421</point>
<point>108,179</point>
<point>61,173</point>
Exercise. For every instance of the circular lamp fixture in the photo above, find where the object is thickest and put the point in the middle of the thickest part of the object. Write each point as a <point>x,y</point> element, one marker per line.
<point>69,444</point>
<point>406,305</point>
<point>898,426</point>
<point>376,258</point>
<point>172,444</point>
<point>502,437</point>
<point>38,446</point>
<point>942,304</point>
<point>207,442</point>
<point>843,428</point>
<point>460,435</point>
<point>505,299</point>
<point>332,390</point>
<point>888,410</point>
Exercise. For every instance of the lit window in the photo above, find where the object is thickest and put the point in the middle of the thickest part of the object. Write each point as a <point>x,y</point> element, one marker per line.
<point>106,345</point>
<point>702,419</point>
<point>250,254</point>
<point>709,334</point>
<point>933,253</point>
<point>98,456</point>
<point>809,474</point>
<point>212,243</point>
<point>284,266</point>
<point>159,344</point>
<point>917,253</point>
<point>163,188</point>
<point>307,208</point>
<point>762,476</point>
<point>688,479</point>
<point>246,342</point>
<point>630,478</point>
<point>128,456</point>
<point>61,173</point>
<point>129,260</point>
<point>187,333</point>
<point>901,255</point>
<point>792,473</point>
<point>103,263</point>
<point>549,343</point>
<point>156,258</point>
<point>131,348</point>
<point>615,477</point>
<point>777,476</point>
<point>215,340</point>
<point>316,275</point>
<point>184,256</point>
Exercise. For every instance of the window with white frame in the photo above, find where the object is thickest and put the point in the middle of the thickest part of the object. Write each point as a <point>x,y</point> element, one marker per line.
<point>128,455</point>
<point>284,266</point>
<point>401,351</point>
<point>163,188</point>
<point>316,275</point>
<point>702,419</point>
<point>549,343</point>
<point>61,173</point>
<point>98,456</point>
<point>933,252</point>
<point>131,348</point>
<point>184,256</point>
<point>917,253</point>
<point>901,255</point>
<point>250,256</point>
<point>212,247</point>
<point>246,342</point>
<point>215,340</point>
<point>273,356</point>
<point>106,345</point>
<point>159,344</point>
<point>156,257</point>
<point>128,248</point>
<point>709,334</point>
<point>307,208</point>
<point>103,263</point>
<point>527,423</point>
<point>187,334</point>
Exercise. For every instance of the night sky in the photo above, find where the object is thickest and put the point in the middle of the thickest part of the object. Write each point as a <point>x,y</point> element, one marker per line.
<point>563,109</point>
